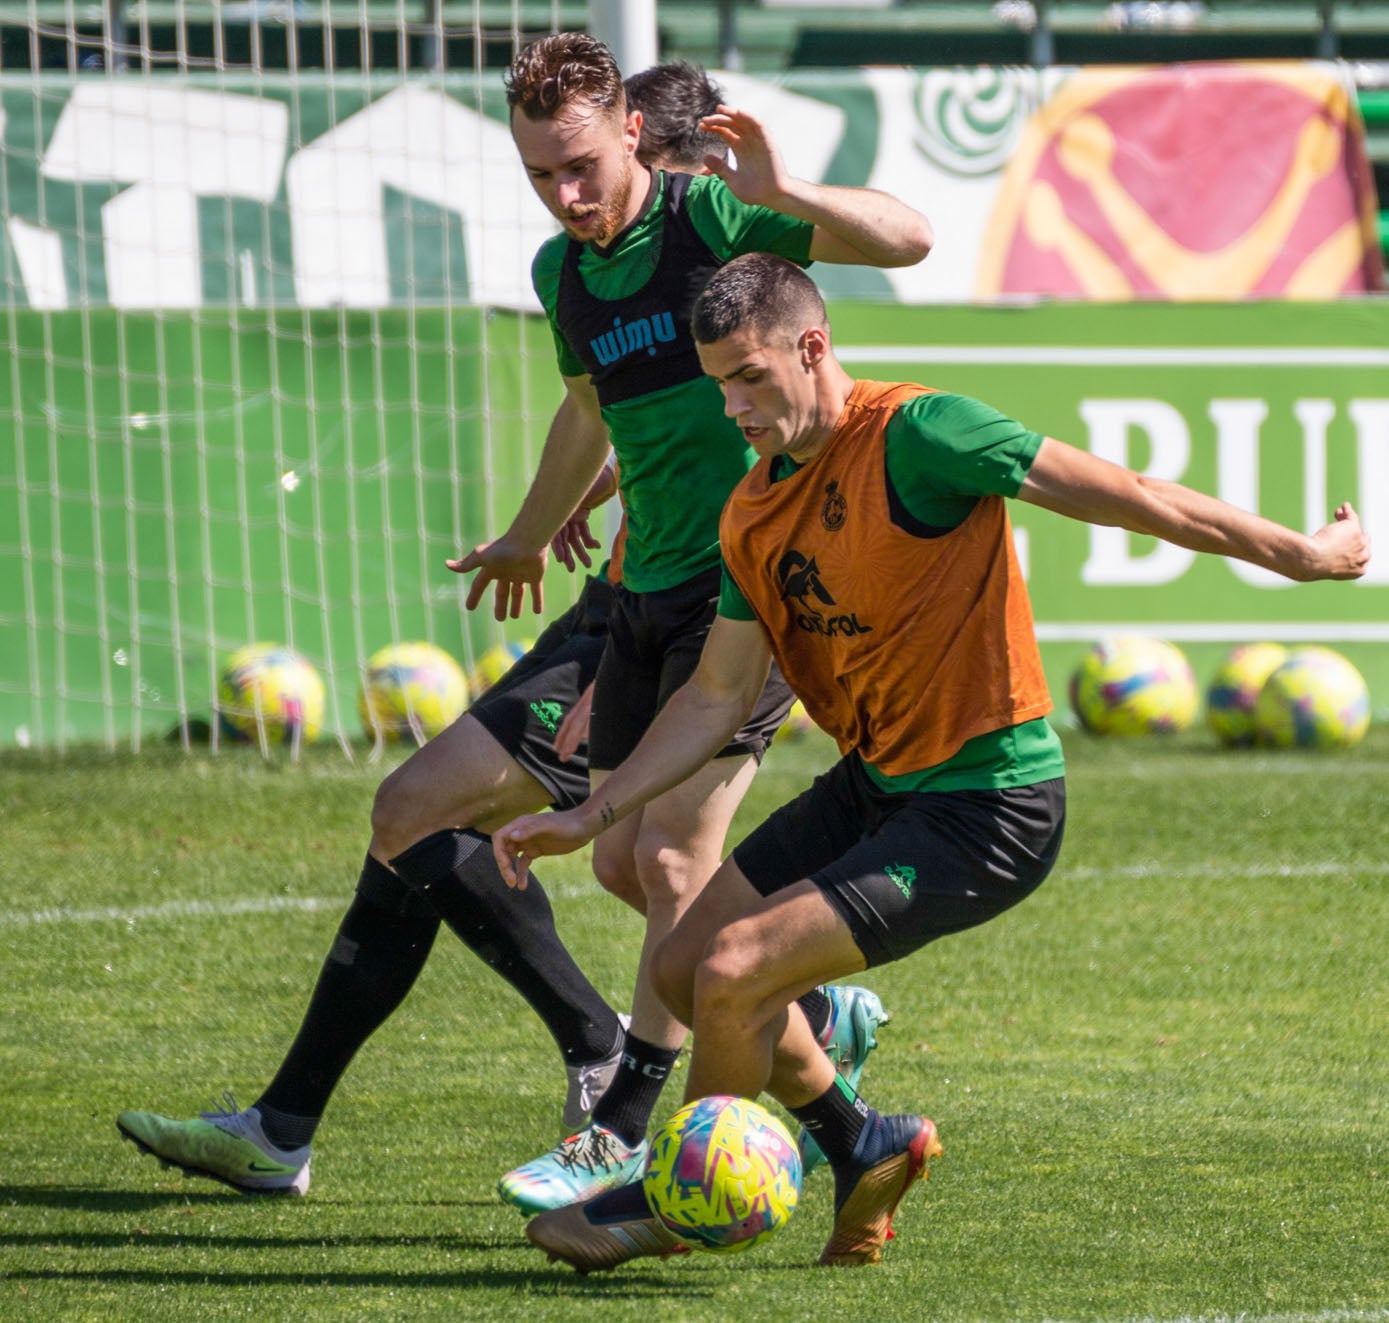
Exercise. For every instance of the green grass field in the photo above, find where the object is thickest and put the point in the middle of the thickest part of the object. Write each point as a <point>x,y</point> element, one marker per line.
<point>1161,1083</point>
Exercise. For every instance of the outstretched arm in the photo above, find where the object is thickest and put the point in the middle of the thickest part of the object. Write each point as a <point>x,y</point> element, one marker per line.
<point>852,225</point>
<point>700,718</point>
<point>1073,482</point>
<point>576,448</point>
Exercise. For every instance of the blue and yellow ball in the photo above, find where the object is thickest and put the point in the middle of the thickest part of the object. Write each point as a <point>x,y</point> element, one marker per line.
<point>1134,685</point>
<point>410,691</point>
<point>495,663</point>
<point>269,693</point>
<point>723,1174</point>
<point>1315,700</point>
<point>1235,687</point>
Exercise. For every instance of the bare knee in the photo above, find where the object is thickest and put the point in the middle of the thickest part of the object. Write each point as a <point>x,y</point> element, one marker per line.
<point>728,980</point>
<point>616,872</point>
<point>396,823</point>
<point>669,874</point>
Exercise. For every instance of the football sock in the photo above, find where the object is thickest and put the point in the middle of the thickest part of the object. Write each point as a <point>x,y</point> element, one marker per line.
<point>818,1010</point>
<point>513,931</point>
<point>627,1105</point>
<point>375,959</point>
<point>835,1120</point>
<point>285,1130</point>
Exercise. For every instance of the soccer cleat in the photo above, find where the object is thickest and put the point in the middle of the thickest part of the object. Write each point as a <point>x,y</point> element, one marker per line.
<point>587,1163</point>
<point>603,1232</point>
<point>228,1146</point>
<point>863,1209</point>
<point>852,1034</point>
<point>589,1082</point>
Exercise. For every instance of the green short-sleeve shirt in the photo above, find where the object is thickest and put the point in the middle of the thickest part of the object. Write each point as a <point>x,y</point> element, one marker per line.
<point>679,455</point>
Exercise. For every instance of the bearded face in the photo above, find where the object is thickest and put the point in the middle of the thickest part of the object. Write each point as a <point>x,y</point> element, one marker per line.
<point>581,164</point>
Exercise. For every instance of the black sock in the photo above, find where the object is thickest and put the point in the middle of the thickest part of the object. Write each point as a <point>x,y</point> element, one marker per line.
<point>513,931</point>
<point>818,1010</point>
<point>376,957</point>
<point>835,1120</point>
<point>627,1105</point>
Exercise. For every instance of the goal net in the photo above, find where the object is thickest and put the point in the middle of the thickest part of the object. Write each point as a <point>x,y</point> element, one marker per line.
<point>262,279</point>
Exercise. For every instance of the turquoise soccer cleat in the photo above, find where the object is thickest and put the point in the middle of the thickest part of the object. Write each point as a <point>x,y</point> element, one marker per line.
<point>589,1162</point>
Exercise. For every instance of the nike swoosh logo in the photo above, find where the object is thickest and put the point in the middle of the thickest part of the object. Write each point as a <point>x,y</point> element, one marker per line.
<point>274,1169</point>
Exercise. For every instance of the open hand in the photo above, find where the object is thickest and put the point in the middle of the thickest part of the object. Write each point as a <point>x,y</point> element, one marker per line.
<point>574,540</point>
<point>512,569</point>
<point>759,177</point>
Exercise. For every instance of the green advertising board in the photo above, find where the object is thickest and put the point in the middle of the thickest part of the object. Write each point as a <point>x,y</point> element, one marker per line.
<point>1281,408</point>
<point>213,478</point>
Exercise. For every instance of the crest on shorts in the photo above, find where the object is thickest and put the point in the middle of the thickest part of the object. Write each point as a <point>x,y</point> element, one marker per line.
<point>835,509</point>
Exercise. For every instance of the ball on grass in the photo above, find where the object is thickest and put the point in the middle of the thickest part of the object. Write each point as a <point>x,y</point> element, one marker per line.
<point>723,1174</point>
<point>410,691</point>
<point>1235,687</point>
<point>1134,685</point>
<point>1315,700</point>
<point>269,693</point>
<point>495,663</point>
<point>797,723</point>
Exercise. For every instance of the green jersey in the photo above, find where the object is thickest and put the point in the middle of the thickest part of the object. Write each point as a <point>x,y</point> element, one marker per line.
<point>621,315</point>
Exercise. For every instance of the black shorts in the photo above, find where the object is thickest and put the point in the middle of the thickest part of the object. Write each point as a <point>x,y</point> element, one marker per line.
<point>905,868</point>
<point>523,710</point>
<point>654,642</point>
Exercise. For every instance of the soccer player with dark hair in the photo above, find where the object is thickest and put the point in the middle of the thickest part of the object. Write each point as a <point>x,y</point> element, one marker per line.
<point>869,553</point>
<point>673,100</point>
<point>617,287</point>
<point>495,761</point>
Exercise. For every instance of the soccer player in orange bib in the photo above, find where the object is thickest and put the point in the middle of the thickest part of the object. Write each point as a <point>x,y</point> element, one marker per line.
<point>869,552</point>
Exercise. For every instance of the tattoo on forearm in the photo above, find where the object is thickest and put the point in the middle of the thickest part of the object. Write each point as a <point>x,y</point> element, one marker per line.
<point>607,815</point>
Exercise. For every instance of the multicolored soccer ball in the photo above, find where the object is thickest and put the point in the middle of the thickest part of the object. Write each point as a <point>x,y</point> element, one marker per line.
<point>723,1174</point>
<point>1314,700</point>
<point>410,691</point>
<point>1134,685</point>
<point>269,694</point>
<point>1235,687</point>
<point>495,663</point>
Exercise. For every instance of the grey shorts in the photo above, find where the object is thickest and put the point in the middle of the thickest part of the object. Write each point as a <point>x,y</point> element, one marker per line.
<point>905,868</point>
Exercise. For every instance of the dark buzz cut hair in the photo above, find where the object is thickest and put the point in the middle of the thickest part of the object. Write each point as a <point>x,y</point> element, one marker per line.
<point>554,72</point>
<point>761,293</point>
<point>673,98</point>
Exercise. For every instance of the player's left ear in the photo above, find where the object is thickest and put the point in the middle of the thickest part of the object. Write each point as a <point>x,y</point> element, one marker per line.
<point>813,345</point>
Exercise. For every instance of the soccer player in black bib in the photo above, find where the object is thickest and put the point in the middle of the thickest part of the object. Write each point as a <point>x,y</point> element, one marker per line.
<point>618,286</point>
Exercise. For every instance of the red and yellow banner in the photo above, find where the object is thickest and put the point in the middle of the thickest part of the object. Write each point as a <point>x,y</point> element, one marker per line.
<point>1187,182</point>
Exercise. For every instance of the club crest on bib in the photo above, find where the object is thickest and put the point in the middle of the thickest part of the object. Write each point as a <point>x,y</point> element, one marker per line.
<point>836,509</point>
